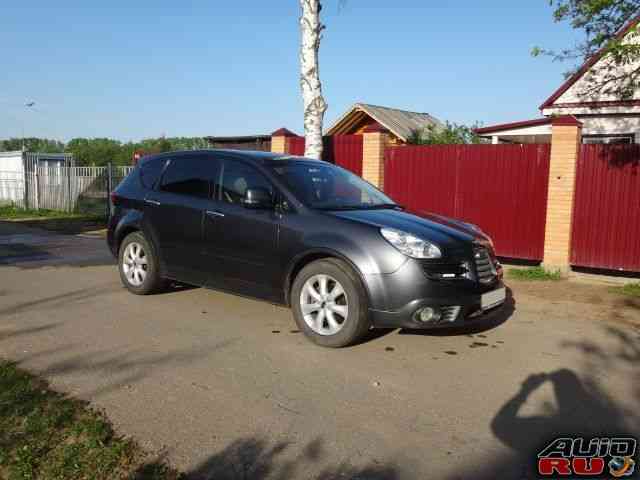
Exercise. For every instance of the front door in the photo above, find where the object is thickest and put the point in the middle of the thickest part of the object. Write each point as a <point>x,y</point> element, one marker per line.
<point>176,211</point>
<point>242,243</point>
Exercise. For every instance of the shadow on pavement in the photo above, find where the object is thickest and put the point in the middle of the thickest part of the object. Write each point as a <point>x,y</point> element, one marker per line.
<point>583,407</point>
<point>60,300</point>
<point>258,458</point>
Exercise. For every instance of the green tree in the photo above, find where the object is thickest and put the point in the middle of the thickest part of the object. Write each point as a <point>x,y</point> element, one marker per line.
<point>43,145</point>
<point>94,151</point>
<point>449,134</point>
<point>603,23</point>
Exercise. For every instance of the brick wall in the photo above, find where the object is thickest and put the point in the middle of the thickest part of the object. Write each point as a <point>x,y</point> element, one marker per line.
<point>565,144</point>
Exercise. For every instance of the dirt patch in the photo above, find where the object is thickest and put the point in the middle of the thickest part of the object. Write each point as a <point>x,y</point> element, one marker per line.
<point>580,300</point>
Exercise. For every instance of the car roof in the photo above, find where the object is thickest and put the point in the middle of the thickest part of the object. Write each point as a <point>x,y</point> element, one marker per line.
<point>248,155</point>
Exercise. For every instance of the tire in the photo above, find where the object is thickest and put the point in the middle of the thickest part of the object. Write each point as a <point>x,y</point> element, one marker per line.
<point>138,265</point>
<point>325,321</point>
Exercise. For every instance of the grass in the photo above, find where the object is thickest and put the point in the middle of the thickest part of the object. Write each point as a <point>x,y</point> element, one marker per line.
<point>45,435</point>
<point>630,289</point>
<point>63,222</point>
<point>11,212</point>
<point>534,273</point>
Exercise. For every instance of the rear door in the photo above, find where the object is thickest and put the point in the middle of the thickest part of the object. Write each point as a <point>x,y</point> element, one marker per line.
<point>176,211</point>
<point>241,243</point>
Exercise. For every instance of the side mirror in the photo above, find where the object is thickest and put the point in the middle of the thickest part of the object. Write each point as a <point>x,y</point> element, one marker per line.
<point>257,198</point>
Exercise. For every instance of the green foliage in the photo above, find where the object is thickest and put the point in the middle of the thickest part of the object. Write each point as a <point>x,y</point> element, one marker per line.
<point>601,21</point>
<point>630,289</point>
<point>11,212</point>
<point>46,435</point>
<point>101,151</point>
<point>96,151</point>
<point>450,134</point>
<point>534,273</point>
<point>43,145</point>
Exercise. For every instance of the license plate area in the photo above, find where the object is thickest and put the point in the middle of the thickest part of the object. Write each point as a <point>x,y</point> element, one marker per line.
<point>493,299</point>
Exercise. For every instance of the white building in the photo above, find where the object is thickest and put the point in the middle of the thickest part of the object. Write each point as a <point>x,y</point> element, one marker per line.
<point>17,172</point>
<point>604,116</point>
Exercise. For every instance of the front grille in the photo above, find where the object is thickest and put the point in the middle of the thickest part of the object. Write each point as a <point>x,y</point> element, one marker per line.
<point>485,268</point>
<point>445,271</point>
<point>450,314</point>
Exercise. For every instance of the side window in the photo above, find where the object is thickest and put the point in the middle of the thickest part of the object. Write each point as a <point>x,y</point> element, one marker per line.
<point>237,177</point>
<point>150,171</point>
<point>190,176</point>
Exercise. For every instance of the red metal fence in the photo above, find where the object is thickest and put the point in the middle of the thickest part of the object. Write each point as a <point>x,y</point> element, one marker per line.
<point>343,150</point>
<point>501,188</point>
<point>606,211</point>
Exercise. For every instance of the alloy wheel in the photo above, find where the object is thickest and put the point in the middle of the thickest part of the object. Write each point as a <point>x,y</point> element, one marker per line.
<point>135,264</point>
<point>324,304</point>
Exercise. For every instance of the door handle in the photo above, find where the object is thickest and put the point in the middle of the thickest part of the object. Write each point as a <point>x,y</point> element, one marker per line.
<point>151,202</point>
<point>213,213</point>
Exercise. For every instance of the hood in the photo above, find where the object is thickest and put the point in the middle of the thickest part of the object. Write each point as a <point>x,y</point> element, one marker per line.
<point>443,231</point>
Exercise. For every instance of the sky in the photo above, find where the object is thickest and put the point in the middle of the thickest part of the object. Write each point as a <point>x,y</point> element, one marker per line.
<point>141,68</point>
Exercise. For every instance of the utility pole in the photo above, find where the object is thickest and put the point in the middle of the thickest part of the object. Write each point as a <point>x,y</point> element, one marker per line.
<point>28,105</point>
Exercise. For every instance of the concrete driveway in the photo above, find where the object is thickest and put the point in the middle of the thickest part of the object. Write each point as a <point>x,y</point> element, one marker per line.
<point>226,387</point>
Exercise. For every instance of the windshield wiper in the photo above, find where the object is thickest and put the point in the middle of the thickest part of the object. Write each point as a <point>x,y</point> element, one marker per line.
<point>363,206</point>
<point>384,206</point>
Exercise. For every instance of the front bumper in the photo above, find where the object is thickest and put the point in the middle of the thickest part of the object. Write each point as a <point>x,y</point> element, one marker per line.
<point>395,298</point>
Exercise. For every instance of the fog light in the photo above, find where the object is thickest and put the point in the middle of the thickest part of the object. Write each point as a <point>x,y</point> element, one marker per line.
<point>428,314</point>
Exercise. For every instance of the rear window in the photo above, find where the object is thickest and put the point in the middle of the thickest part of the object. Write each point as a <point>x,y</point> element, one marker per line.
<point>150,171</point>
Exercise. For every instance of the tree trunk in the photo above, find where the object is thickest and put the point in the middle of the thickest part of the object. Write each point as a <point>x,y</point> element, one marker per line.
<point>314,104</point>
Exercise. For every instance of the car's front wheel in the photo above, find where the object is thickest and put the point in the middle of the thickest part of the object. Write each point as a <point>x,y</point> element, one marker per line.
<point>329,303</point>
<point>138,265</point>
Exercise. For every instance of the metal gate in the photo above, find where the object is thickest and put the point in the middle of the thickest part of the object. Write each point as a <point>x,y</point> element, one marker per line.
<point>343,150</point>
<point>501,188</point>
<point>606,211</point>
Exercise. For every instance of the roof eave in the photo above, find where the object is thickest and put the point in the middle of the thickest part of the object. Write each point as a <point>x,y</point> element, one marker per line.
<point>586,66</point>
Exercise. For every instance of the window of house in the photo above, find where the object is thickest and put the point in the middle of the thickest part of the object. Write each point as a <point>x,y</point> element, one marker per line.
<point>609,139</point>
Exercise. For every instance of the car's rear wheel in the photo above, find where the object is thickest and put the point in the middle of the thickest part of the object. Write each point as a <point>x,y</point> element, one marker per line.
<point>138,265</point>
<point>329,303</point>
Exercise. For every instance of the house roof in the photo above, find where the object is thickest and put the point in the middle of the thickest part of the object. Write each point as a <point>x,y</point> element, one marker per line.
<point>587,66</point>
<point>513,125</point>
<point>528,127</point>
<point>399,122</point>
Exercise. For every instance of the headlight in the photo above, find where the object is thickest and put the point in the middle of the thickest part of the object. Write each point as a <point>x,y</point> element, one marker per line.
<point>409,245</point>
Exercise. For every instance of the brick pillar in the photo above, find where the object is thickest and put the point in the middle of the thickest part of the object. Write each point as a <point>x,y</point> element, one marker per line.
<point>566,137</point>
<point>279,143</point>
<point>375,138</point>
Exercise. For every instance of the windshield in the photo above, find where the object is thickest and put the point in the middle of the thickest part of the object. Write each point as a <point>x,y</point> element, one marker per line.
<point>327,187</point>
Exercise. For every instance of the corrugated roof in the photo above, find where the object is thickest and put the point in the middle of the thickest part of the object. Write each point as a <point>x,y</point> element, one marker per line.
<point>400,122</point>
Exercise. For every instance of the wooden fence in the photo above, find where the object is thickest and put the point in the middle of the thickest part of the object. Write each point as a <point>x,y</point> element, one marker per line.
<point>55,187</point>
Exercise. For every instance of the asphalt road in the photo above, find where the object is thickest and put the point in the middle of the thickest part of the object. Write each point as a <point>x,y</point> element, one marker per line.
<point>226,387</point>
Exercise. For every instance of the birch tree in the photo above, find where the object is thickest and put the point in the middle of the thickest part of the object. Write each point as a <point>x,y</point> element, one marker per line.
<point>313,101</point>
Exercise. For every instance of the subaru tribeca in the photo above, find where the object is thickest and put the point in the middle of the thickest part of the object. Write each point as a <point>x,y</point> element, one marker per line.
<point>301,233</point>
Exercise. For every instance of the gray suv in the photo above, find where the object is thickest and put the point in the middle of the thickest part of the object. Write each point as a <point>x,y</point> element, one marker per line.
<point>302,233</point>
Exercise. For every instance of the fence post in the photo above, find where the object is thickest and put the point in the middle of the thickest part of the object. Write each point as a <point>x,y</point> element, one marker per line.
<point>279,140</point>
<point>374,142</point>
<point>69,209</point>
<point>37,186</point>
<point>566,138</point>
